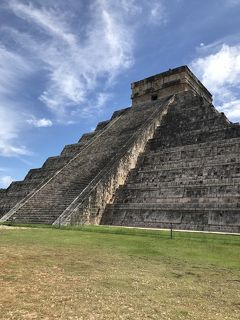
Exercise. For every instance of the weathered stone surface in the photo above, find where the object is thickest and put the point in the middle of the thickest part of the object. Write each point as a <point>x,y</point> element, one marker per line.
<point>164,84</point>
<point>188,174</point>
<point>82,176</point>
<point>171,158</point>
<point>18,190</point>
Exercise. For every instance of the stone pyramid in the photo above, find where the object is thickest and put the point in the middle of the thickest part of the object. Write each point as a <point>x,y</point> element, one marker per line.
<point>171,158</point>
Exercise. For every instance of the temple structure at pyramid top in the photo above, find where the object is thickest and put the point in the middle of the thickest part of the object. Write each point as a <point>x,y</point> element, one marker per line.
<point>170,159</point>
<point>167,83</point>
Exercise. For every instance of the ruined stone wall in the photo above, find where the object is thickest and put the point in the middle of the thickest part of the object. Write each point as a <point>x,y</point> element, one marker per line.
<point>167,83</point>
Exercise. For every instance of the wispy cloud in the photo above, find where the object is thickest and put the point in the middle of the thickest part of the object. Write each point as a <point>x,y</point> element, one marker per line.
<point>77,62</point>
<point>232,109</point>
<point>102,98</point>
<point>49,20</point>
<point>39,123</point>
<point>5,181</point>
<point>73,66</point>
<point>158,13</point>
<point>220,72</point>
<point>10,126</point>
<point>232,3</point>
<point>14,70</point>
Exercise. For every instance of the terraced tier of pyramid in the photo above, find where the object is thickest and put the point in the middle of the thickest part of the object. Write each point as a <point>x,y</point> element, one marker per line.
<point>171,158</point>
<point>188,174</point>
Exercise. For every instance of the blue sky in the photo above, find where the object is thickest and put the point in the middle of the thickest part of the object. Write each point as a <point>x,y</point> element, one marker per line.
<point>66,65</point>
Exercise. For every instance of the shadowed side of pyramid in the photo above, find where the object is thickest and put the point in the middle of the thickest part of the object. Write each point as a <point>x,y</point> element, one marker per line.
<point>188,174</point>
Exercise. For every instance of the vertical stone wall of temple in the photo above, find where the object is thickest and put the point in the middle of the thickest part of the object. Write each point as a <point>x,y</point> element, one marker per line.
<point>167,83</point>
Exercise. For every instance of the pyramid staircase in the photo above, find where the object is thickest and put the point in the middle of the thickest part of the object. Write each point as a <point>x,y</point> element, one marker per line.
<point>71,183</point>
<point>18,190</point>
<point>187,176</point>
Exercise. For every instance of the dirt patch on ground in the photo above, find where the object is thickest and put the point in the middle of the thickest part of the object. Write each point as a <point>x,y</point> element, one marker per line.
<point>11,227</point>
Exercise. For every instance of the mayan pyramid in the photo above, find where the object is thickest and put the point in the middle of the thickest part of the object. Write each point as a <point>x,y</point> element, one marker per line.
<point>171,158</point>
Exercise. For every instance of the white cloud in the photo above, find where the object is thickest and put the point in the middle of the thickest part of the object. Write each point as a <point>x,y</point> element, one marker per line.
<point>221,68</point>
<point>130,6</point>
<point>5,181</point>
<point>48,20</point>
<point>40,122</point>
<point>73,62</point>
<point>74,67</point>
<point>14,70</point>
<point>76,63</point>
<point>10,126</point>
<point>232,109</point>
<point>102,98</point>
<point>232,3</point>
<point>158,13</point>
<point>220,73</point>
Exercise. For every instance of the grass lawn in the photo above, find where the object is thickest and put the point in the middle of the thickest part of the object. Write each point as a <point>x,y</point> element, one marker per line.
<point>113,273</point>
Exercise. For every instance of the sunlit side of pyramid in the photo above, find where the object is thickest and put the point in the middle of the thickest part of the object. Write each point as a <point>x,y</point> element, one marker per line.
<point>170,158</point>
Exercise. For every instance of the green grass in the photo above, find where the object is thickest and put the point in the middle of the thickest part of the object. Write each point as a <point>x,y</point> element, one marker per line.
<point>115,273</point>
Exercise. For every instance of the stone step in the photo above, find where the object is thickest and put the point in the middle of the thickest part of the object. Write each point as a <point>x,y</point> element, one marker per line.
<point>172,206</point>
<point>188,138</point>
<point>202,124</point>
<point>217,163</point>
<point>126,193</point>
<point>87,137</point>
<point>184,218</point>
<point>72,149</point>
<point>186,176</point>
<point>55,163</point>
<point>183,183</point>
<point>216,147</point>
<point>161,162</point>
<point>184,200</point>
